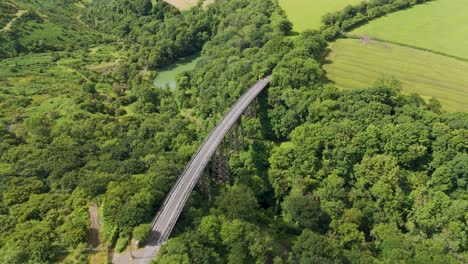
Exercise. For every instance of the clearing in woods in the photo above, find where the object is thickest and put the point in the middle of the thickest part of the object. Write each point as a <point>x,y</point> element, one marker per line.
<point>359,63</point>
<point>187,4</point>
<point>440,26</point>
<point>307,14</point>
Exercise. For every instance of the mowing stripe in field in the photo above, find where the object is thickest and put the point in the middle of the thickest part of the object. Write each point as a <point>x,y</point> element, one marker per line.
<point>307,14</point>
<point>354,64</point>
<point>440,25</point>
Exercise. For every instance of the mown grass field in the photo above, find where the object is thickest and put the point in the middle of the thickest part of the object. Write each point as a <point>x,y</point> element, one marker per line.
<point>357,65</point>
<point>307,14</point>
<point>187,4</point>
<point>182,4</point>
<point>440,26</point>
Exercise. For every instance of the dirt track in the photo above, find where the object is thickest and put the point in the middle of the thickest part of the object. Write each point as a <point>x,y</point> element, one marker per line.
<point>19,14</point>
<point>95,226</point>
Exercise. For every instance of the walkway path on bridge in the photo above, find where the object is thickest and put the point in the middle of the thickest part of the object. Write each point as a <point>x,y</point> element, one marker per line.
<point>167,216</point>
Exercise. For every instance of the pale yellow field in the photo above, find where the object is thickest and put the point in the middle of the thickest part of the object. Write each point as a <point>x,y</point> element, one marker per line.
<point>187,4</point>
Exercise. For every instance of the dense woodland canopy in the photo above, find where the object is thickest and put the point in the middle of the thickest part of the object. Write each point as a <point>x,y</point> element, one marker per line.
<point>335,23</point>
<point>324,176</point>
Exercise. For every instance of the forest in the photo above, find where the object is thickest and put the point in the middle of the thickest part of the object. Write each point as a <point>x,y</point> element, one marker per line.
<point>325,175</point>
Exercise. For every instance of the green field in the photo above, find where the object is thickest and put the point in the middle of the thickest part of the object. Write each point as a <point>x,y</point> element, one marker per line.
<point>307,14</point>
<point>167,75</point>
<point>440,25</point>
<point>357,65</point>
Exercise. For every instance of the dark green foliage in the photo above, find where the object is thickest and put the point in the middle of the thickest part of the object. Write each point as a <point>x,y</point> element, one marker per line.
<point>238,202</point>
<point>237,241</point>
<point>369,170</point>
<point>155,35</point>
<point>302,209</point>
<point>311,248</point>
<point>364,176</point>
<point>353,16</point>
<point>363,169</point>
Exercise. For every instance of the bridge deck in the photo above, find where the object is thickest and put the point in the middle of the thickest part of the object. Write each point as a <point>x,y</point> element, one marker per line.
<point>174,203</point>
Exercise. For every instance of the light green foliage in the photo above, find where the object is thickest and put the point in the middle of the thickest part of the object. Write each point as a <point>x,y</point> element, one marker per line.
<point>380,176</point>
<point>392,243</point>
<point>368,165</point>
<point>50,25</point>
<point>302,209</point>
<point>452,176</point>
<point>347,229</point>
<point>377,175</point>
<point>279,173</point>
<point>307,14</point>
<point>37,230</point>
<point>289,94</point>
<point>122,242</point>
<point>188,248</point>
<point>332,194</point>
<point>141,232</point>
<point>237,241</point>
<point>19,189</point>
<point>438,25</point>
<point>75,229</point>
<point>30,242</point>
<point>357,65</point>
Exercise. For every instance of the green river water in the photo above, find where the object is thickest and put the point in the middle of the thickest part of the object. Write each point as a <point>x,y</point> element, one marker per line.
<point>167,76</point>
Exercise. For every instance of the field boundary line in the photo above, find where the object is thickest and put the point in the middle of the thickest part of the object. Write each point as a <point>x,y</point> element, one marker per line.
<point>356,36</point>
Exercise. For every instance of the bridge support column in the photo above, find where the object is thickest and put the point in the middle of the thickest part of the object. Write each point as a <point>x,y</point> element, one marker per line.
<point>204,184</point>
<point>238,136</point>
<point>221,164</point>
<point>251,111</point>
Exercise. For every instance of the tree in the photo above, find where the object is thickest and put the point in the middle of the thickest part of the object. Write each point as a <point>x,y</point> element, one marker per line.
<point>245,243</point>
<point>311,248</point>
<point>32,242</point>
<point>188,248</point>
<point>332,194</point>
<point>18,189</point>
<point>238,202</point>
<point>74,230</point>
<point>141,232</point>
<point>210,228</point>
<point>391,243</point>
<point>452,176</point>
<point>347,229</point>
<point>39,127</point>
<point>89,87</point>
<point>380,177</point>
<point>144,7</point>
<point>302,209</point>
